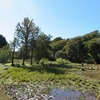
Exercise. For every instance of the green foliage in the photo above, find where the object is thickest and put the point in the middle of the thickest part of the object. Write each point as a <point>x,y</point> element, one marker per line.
<point>43,61</point>
<point>36,45</point>
<point>5,54</point>
<point>57,39</point>
<point>60,54</point>
<point>78,48</point>
<point>57,45</point>
<point>3,41</point>
<point>75,50</point>
<point>13,46</point>
<point>25,32</point>
<point>90,59</point>
<point>62,61</point>
<point>17,65</point>
<point>91,35</point>
<point>42,49</point>
<point>76,79</point>
<point>93,47</point>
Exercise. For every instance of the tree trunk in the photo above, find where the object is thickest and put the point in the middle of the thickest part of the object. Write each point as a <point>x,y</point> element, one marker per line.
<point>12,58</point>
<point>23,63</point>
<point>25,54</point>
<point>13,53</point>
<point>31,58</point>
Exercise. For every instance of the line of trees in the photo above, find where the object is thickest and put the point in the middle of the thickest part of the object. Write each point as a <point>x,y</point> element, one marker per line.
<point>31,43</point>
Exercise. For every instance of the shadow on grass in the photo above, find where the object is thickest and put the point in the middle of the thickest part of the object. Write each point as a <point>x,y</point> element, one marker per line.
<point>47,69</point>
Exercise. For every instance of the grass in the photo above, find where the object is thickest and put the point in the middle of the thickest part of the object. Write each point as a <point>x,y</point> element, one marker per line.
<point>76,78</point>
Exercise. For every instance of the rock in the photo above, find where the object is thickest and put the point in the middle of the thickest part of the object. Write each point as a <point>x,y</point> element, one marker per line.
<point>31,99</point>
<point>27,91</point>
<point>51,97</point>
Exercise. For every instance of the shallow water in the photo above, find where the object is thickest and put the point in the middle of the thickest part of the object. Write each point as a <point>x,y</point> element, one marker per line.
<point>58,94</point>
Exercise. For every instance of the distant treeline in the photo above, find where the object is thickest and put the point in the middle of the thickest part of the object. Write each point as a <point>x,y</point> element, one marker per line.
<point>30,43</point>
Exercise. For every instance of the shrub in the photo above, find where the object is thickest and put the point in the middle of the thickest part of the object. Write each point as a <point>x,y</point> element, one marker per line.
<point>17,65</point>
<point>62,61</point>
<point>43,61</point>
<point>4,54</point>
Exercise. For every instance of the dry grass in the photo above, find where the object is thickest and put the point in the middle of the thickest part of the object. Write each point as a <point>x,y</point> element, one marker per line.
<point>3,95</point>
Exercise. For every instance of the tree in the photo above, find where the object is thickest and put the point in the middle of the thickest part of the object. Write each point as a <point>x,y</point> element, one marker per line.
<point>60,54</point>
<point>57,39</point>
<point>42,49</point>
<point>79,48</point>
<point>91,35</point>
<point>57,45</point>
<point>75,50</point>
<point>5,54</point>
<point>3,41</point>
<point>24,32</point>
<point>13,46</point>
<point>33,42</point>
<point>93,48</point>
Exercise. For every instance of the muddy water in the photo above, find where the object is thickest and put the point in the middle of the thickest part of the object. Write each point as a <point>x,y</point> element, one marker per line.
<point>58,94</point>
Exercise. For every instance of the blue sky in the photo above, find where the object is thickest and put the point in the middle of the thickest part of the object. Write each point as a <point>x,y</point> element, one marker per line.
<point>60,18</point>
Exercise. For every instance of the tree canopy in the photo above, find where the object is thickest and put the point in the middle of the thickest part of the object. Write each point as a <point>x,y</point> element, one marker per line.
<point>3,41</point>
<point>25,32</point>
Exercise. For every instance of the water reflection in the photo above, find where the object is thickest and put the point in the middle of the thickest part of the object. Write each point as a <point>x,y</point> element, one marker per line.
<point>58,94</point>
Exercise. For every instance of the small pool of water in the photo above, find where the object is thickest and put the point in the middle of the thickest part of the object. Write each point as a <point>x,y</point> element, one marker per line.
<point>58,94</point>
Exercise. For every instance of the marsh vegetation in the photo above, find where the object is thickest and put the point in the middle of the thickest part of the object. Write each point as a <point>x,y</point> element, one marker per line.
<point>41,79</point>
<point>33,66</point>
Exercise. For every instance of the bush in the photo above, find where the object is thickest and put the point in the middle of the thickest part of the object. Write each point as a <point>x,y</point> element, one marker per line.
<point>90,61</point>
<point>17,65</point>
<point>43,61</point>
<point>62,61</point>
<point>4,54</point>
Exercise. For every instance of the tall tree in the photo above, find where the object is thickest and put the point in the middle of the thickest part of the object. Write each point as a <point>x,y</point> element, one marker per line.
<point>13,46</point>
<point>24,33</point>
<point>33,42</point>
<point>42,47</point>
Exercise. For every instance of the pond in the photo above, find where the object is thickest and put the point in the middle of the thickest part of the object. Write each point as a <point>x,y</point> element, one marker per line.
<point>58,94</point>
<point>31,92</point>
